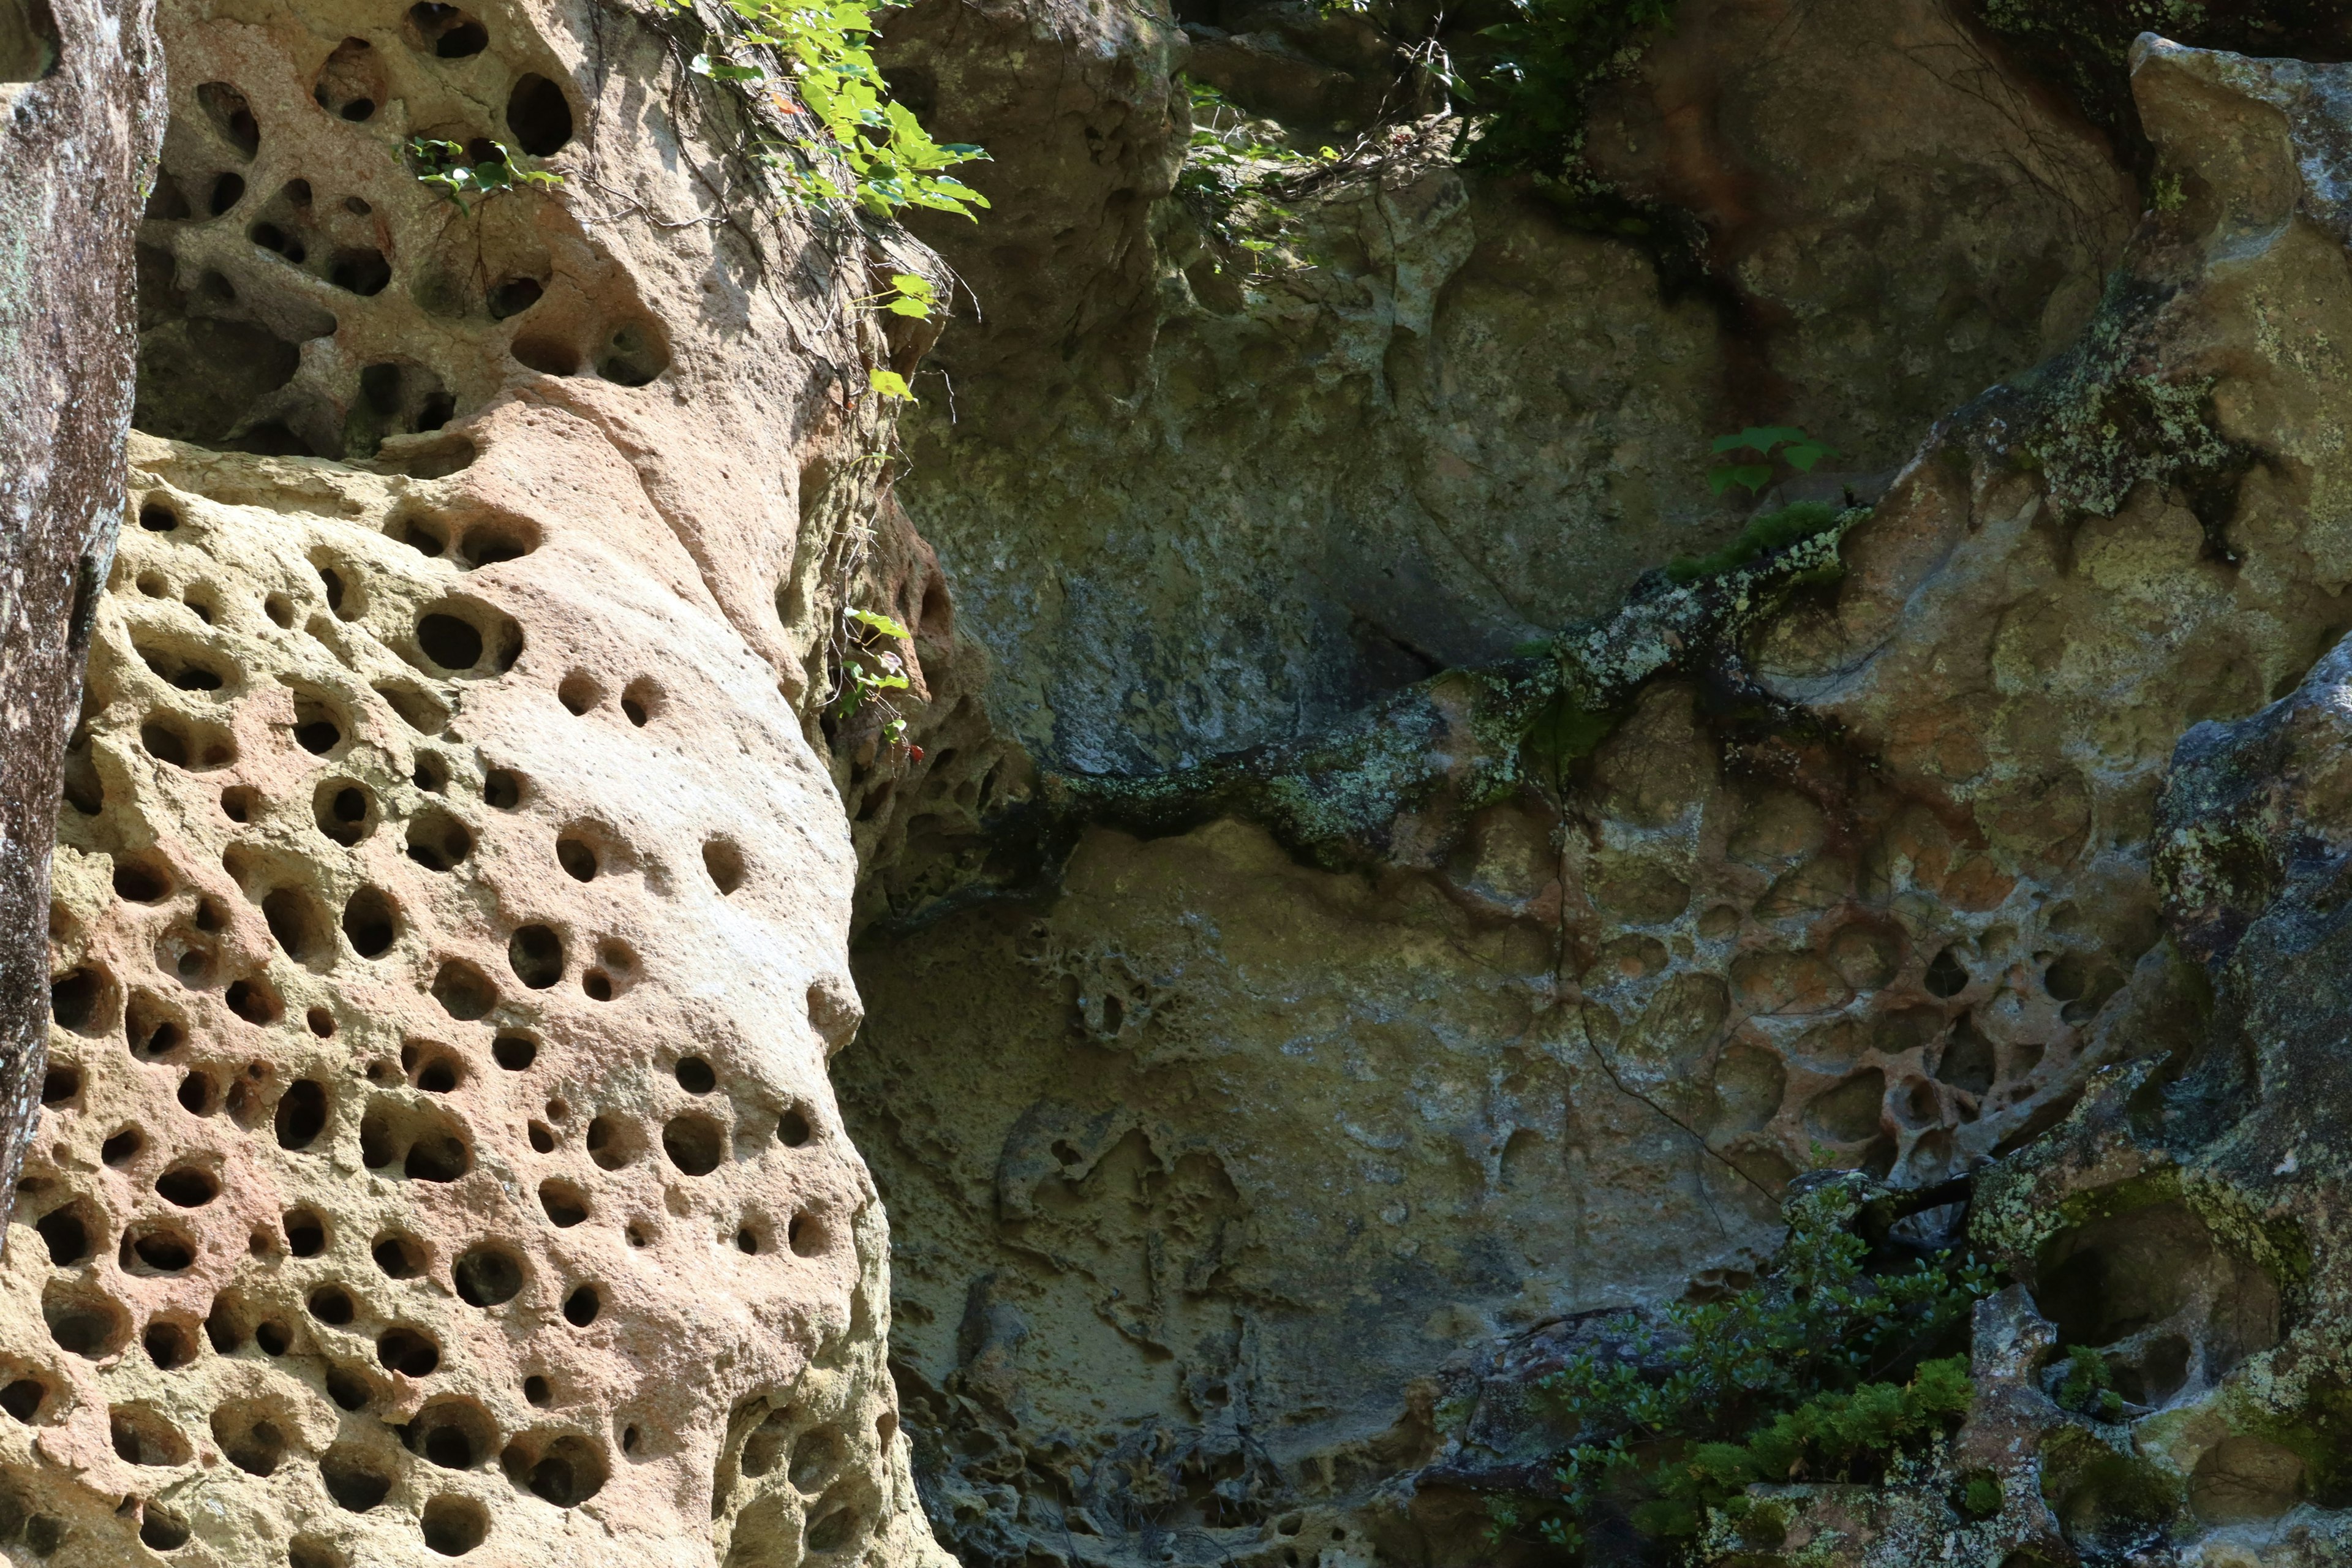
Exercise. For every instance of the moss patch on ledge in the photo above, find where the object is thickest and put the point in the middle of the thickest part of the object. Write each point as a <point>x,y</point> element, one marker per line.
<point>1396,779</point>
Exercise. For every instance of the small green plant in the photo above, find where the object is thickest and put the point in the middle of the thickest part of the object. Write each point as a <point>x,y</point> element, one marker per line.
<point>1820,1371</point>
<point>1981,1496</point>
<point>1528,106</point>
<point>2165,195</point>
<point>1751,455</point>
<point>871,670</point>
<point>885,160</point>
<point>2087,1387</point>
<point>447,168</point>
<point>908,295</point>
<point>1231,178</point>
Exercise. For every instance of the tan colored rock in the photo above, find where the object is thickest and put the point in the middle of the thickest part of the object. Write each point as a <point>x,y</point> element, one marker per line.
<point>450,913</point>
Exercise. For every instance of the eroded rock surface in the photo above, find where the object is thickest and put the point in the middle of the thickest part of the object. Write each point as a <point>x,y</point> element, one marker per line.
<point>437,1159</point>
<point>1272,1130</point>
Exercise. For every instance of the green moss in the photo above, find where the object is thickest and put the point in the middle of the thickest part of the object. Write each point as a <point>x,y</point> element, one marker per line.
<point>1773,530</point>
<point>1528,102</point>
<point>2102,1495</point>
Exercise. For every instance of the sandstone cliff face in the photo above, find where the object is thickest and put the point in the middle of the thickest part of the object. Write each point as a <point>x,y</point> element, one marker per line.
<point>437,1159</point>
<point>1240,1173</point>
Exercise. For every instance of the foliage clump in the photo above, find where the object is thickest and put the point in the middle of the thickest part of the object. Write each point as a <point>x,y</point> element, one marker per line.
<point>1824,1370</point>
<point>1529,105</point>
<point>855,142</point>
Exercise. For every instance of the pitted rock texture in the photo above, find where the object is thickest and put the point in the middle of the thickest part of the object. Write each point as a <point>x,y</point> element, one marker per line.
<point>439,1156</point>
<point>1442,416</point>
<point>1874,888</point>
<point>449,923</point>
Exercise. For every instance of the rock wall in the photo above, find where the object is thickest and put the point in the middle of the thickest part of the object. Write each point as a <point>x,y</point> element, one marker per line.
<point>1246,1163</point>
<point>449,927</point>
<point>81,111</point>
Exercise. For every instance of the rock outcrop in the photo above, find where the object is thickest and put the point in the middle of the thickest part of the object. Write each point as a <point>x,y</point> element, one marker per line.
<point>1235,1167</point>
<point>80,110</point>
<point>449,927</point>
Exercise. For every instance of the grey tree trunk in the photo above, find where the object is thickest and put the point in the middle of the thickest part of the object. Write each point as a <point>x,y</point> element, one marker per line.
<point>81,96</point>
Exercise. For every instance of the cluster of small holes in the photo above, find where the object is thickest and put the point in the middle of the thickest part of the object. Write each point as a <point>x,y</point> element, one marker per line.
<point>292,1299</point>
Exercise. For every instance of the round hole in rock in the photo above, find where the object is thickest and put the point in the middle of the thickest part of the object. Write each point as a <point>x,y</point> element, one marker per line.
<point>793,1127</point>
<point>694,1142</point>
<point>639,702</point>
<point>60,1083</point>
<point>579,692</point>
<point>695,1076</point>
<point>169,1345</point>
<point>568,1473</point>
<point>536,954</point>
<point>612,1142</point>
<point>66,1233</point>
<point>487,1276</point>
<point>279,608</point>
<point>629,1439</point>
<point>513,1051</point>
<point>22,1399</point>
<point>370,923</point>
<point>240,803</point>
<point>437,840</point>
<point>296,922</point>
<point>143,1437</point>
<point>421,534</point>
<point>513,296</point>
<point>580,1308</point>
<point>274,1338</point>
<point>162,1528</point>
<point>566,1205</point>
<point>400,1256</point>
<point>164,742</point>
<point>535,1391</point>
<point>814,1459</point>
<point>302,1114</point>
<point>354,1479</point>
<point>436,1157</point>
<point>597,985</point>
<point>321,1023</point>
<point>464,992</point>
<point>806,1236</point>
<point>547,354</point>
<point>447,32</point>
<point>252,1000</point>
<point>249,1439</point>
<point>140,883</point>
<point>1947,976</point>
<point>542,1141</point>
<point>440,1075</point>
<point>121,1148</point>
<point>343,811</point>
<point>318,736</point>
<point>631,356</point>
<point>539,115</point>
<point>502,788</point>
<point>453,1526</point>
<point>576,859</point>
<point>187,1186</point>
<point>448,641</point>
<point>724,861</point>
<point>77,998</point>
<point>747,1240</point>
<point>305,1233</point>
<point>833,1532</point>
<point>152,1249</point>
<point>407,1350</point>
<point>158,517</point>
<point>198,1095</point>
<point>350,1388</point>
<point>227,191</point>
<point>359,269</point>
<point>83,1321</point>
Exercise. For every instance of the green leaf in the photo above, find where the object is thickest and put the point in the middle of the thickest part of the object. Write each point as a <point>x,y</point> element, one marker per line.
<point>879,622</point>
<point>888,383</point>
<point>1750,477</point>
<point>1759,438</point>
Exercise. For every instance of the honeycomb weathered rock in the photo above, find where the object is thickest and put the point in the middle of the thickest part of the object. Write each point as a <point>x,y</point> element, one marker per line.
<point>450,911</point>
